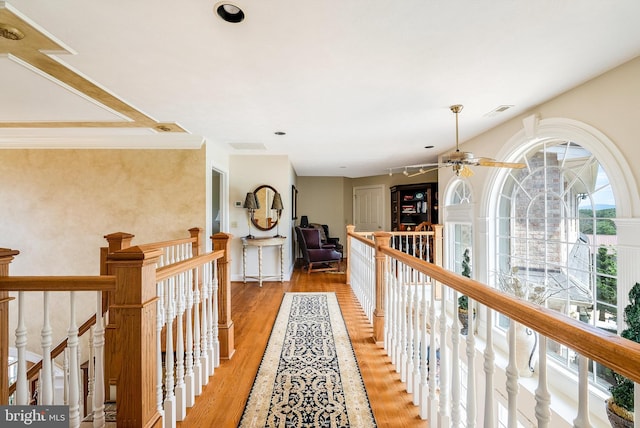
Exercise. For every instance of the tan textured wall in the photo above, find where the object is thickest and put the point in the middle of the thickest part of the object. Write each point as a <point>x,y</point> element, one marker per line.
<point>58,204</point>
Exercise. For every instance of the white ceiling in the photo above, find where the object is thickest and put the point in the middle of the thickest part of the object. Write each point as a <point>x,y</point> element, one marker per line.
<point>358,86</point>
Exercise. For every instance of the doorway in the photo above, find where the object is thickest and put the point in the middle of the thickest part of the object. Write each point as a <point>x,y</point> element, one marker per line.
<point>216,201</point>
<point>368,208</point>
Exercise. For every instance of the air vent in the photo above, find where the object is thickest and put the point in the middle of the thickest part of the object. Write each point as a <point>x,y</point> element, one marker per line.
<point>500,109</point>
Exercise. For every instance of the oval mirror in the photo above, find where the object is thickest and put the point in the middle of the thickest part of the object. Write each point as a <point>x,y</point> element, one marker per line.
<point>264,218</point>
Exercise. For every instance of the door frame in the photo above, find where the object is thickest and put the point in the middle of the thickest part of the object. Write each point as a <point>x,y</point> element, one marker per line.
<point>382,188</point>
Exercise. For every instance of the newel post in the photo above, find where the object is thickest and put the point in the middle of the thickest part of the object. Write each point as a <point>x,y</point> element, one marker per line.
<point>133,311</point>
<point>350,229</point>
<point>382,241</point>
<point>222,241</point>
<point>117,241</point>
<point>6,256</point>
<point>196,232</point>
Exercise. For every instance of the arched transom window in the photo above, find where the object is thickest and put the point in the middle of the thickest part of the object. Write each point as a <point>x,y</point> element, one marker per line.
<point>556,235</point>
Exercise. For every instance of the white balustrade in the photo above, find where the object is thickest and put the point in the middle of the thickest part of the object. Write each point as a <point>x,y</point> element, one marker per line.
<point>188,306</point>
<point>422,337</point>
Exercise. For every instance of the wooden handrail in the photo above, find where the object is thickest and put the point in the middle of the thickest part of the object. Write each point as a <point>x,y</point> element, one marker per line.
<point>58,283</point>
<point>611,350</point>
<point>31,373</point>
<point>165,244</point>
<point>185,265</point>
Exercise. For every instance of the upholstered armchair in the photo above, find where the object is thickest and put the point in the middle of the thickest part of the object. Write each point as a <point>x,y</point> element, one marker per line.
<point>326,239</point>
<point>315,256</point>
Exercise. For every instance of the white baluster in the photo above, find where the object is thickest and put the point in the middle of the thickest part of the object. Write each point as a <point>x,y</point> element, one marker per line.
<point>455,366</point>
<point>180,392</point>
<point>582,419</point>
<point>65,365</point>
<point>388,314</point>
<point>543,397</point>
<point>90,369</point>
<point>98,366</point>
<point>215,340</point>
<point>512,378</point>
<point>204,360</point>
<point>188,376</point>
<point>197,368</point>
<point>210,349</point>
<point>443,372</point>
<point>416,340</point>
<point>408,368</point>
<point>402,366</point>
<point>489,370</point>
<point>424,386</point>
<point>169,397</point>
<point>45,393</point>
<point>160,322</point>
<point>433,361</point>
<point>80,386</point>
<point>74,367</point>
<point>22,390</point>
<point>471,367</point>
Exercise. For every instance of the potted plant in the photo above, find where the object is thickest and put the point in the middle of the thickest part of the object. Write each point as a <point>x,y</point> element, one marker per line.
<point>463,301</point>
<point>620,405</point>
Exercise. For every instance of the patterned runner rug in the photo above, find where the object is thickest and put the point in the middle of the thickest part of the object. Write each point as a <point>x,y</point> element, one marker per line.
<point>308,376</point>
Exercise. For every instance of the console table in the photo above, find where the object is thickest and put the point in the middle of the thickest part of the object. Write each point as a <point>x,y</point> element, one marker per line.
<point>276,241</point>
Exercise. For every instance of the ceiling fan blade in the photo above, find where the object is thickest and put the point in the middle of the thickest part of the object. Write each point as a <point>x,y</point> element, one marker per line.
<point>493,163</point>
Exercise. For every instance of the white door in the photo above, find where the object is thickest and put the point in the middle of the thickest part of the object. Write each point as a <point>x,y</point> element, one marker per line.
<point>368,208</point>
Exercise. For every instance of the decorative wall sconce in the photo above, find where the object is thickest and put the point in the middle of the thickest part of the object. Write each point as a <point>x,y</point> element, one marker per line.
<point>278,207</point>
<point>251,204</point>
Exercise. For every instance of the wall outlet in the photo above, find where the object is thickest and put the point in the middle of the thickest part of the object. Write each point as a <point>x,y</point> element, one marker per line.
<point>234,224</point>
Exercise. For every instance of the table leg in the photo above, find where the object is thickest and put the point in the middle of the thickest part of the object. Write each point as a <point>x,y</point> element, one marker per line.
<point>281,263</point>
<point>244,264</point>
<point>260,265</point>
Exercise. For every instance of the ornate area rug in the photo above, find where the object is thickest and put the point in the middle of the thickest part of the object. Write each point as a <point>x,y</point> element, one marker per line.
<point>308,376</point>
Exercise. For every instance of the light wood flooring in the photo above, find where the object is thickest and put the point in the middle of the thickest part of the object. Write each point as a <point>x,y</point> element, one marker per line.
<point>254,310</point>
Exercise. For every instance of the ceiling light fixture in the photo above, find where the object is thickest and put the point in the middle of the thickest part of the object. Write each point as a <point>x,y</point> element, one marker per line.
<point>10,33</point>
<point>230,13</point>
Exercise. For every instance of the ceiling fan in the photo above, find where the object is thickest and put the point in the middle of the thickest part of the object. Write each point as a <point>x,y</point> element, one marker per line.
<point>459,160</point>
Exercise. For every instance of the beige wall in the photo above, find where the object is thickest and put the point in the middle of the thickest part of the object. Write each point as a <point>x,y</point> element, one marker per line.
<point>58,204</point>
<point>329,200</point>
<point>322,199</point>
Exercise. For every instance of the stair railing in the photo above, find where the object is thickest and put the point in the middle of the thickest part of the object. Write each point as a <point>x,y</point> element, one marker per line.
<point>416,304</point>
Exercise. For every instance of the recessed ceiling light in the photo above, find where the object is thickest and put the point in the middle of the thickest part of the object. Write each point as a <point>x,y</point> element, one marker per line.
<point>280,133</point>
<point>230,13</point>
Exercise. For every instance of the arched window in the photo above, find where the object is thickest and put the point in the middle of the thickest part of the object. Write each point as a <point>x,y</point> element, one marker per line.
<point>556,234</point>
<point>459,224</point>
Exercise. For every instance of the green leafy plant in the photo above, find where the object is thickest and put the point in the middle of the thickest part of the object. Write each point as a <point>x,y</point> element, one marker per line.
<point>622,391</point>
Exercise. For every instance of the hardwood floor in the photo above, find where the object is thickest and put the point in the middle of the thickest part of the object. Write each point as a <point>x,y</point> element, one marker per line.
<point>254,311</point>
